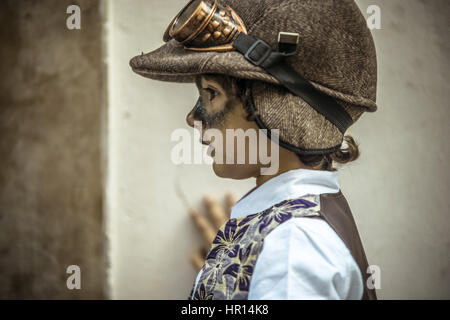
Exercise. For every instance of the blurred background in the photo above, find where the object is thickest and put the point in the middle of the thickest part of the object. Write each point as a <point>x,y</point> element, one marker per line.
<point>86,176</point>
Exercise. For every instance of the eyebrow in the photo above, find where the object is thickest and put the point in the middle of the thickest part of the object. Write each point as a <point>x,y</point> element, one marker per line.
<point>219,83</point>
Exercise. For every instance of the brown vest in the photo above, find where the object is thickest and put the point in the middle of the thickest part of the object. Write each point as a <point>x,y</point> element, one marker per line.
<point>335,211</point>
<point>238,242</point>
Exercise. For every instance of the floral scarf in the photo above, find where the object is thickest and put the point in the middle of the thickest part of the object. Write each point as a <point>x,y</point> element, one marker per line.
<point>230,262</point>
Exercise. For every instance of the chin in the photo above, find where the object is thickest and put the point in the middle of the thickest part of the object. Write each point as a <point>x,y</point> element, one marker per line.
<point>231,171</point>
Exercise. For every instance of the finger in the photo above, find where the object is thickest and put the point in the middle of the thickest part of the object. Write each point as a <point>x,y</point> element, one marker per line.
<point>197,260</point>
<point>230,200</point>
<point>206,229</point>
<point>215,211</point>
<point>204,252</point>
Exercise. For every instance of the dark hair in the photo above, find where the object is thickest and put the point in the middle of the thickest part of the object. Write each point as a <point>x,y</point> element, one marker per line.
<point>322,162</point>
<point>341,156</point>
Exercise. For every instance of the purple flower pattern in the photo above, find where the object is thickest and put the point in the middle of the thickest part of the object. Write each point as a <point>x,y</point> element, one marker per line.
<point>230,262</point>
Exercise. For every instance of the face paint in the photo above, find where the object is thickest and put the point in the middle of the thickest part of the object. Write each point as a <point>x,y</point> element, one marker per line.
<point>210,121</point>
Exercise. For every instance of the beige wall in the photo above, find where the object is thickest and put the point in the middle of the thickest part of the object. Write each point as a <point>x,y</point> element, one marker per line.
<point>52,102</point>
<point>398,190</point>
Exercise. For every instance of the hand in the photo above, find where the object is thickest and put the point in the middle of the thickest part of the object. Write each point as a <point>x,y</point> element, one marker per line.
<point>208,225</point>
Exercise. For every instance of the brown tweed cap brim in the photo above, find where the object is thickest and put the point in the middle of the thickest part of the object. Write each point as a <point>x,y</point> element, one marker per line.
<point>172,63</point>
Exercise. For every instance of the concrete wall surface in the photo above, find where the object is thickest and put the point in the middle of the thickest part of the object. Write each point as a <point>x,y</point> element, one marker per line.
<point>52,101</point>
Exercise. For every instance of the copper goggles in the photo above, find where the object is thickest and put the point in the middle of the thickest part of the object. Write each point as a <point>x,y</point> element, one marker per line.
<point>205,25</point>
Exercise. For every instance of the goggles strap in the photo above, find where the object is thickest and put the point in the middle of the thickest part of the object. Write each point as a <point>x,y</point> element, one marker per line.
<point>259,53</point>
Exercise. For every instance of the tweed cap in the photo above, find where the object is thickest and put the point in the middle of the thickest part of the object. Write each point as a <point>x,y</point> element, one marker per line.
<point>336,54</point>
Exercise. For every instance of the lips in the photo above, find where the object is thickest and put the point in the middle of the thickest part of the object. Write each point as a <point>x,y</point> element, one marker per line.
<point>203,142</point>
<point>210,151</point>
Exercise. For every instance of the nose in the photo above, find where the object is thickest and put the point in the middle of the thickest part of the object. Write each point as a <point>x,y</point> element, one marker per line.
<point>194,114</point>
<point>190,118</point>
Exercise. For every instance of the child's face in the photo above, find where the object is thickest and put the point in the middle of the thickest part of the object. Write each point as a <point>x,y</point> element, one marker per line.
<point>220,108</point>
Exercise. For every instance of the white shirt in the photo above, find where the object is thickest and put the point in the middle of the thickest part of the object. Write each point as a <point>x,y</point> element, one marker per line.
<point>302,258</point>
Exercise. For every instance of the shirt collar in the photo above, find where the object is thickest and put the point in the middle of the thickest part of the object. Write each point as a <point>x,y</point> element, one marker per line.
<point>289,185</point>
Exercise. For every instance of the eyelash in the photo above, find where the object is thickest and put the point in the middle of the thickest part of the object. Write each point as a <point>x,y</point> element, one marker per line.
<point>212,92</point>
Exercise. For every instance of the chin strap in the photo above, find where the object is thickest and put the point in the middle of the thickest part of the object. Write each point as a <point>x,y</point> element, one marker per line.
<point>259,53</point>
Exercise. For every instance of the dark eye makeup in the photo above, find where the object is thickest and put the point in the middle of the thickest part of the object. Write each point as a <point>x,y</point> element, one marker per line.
<point>201,114</point>
<point>211,93</point>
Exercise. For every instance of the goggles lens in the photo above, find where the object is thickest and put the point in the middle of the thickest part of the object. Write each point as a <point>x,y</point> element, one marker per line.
<point>205,25</point>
